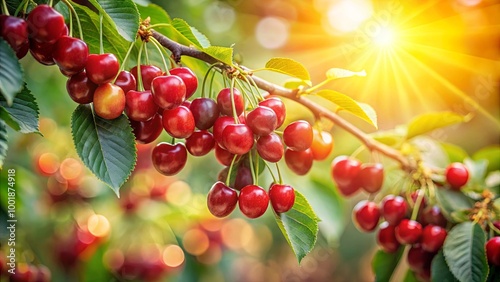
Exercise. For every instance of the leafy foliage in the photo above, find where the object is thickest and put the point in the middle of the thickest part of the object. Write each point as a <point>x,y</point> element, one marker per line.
<point>23,113</point>
<point>122,15</point>
<point>384,264</point>
<point>289,67</point>
<point>3,142</point>
<point>11,75</point>
<point>440,270</point>
<point>430,121</point>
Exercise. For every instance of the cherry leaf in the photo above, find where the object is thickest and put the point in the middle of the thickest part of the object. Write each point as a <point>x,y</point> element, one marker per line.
<point>289,67</point>
<point>431,121</point>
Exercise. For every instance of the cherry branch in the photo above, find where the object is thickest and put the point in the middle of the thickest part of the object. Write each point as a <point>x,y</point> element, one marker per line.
<point>371,144</point>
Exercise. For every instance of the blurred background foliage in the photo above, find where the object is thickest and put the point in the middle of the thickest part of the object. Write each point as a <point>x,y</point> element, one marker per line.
<point>420,56</point>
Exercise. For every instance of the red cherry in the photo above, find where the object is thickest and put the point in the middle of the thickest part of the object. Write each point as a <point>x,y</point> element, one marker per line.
<point>205,112</point>
<point>419,259</point>
<point>140,105</point>
<point>243,178</point>
<point>80,88</point>
<point>262,120</point>
<point>394,209</point>
<point>15,31</point>
<point>386,238</point>
<point>270,147</point>
<point>433,215</point>
<point>178,122</point>
<point>408,231</point>
<point>345,170</point>
<point>223,156</point>
<point>433,237</point>
<point>168,91</point>
<point>189,78</point>
<point>225,103</point>
<point>282,197</point>
<point>322,144</point>
<point>70,54</point>
<point>349,189</point>
<point>169,159</point>
<point>102,68</point>
<point>298,135</point>
<point>109,101</point>
<point>366,215</point>
<point>493,250</point>
<point>237,138</point>
<point>371,177</point>
<point>300,162</point>
<point>221,200</point>
<point>126,81</point>
<point>200,143</point>
<point>278,107</point>
<point>23,273</point>
<point>43,274</point>
<point>42,52</point>
<point>457,175</point>
<point>253,201</point>
<point>148,73</point>
<point>147,131</point>
<point>219,126</point>
<point>45,24</point>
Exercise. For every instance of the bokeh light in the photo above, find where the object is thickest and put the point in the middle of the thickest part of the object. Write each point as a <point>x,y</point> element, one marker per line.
<point>348,15</point>
<point>98,225</point>
<point>195,241</point>
<point>173,256</point>
<point>272,32</point>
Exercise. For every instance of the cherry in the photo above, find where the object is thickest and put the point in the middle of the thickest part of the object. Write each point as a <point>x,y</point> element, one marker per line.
<point>102,68</point>
<point>80,88</point>
<point>433,215</point>
<point>253,201</point>
<point>419,259</point>
<point>386,238</point>
<point>126,81</point>
<point>300,162</point>
<point>23,273</point>
<point>278,107</point>
<point>322,144</point>
<point>148,73</point>
<point>270,147</point>
<point>219,126</point>
<point>457,175</point>
<point>223,156</point>
<point>189,78</point>
<point>366,215</point>
<point>408,231</point>
<point>178,122</point>
<point>221,200</point>
<point>70,54</point>
<point>371,177</point>
<point>262,120</point>
<point>45,24</point>
<point>42,52</point>
<point>433,237</point>
<point>225,103</point>
<point>200,143</point>
<point>493,250</point>
<point>169,91</point>
<point>298,135</point>
<point>109,101</point>
<point>394,209</point>
<point>169,159</point>
<point>140,105</point>
<point>345,170</point>
<point>282,197</point>
<point>15,32</point>
<point>243,177</point>
<point>237,138</point>
<point>43,274</point>
<point>147,131</point>
<point>347,190</point>
<point>205,112</point>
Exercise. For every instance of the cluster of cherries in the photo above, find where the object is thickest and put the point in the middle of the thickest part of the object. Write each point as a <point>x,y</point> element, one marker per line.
<point>25,272</point>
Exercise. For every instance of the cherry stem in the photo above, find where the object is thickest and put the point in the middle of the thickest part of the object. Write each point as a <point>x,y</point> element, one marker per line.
<point>279,174</point>
<point>101,46</point>
<point>159,25</point>
<point>358,151</point>
<point>317,86</point>
<point>73,11</point>
<point>228,177</point>
<point>5,10</point>
<point>146,54</point>
<point>205,79</point>
<point>252,169</point>
<point>122,66</point>
<point>23,6</point>
<point>233,106</point>
<point>70,25</point>
<point>140,87</point>
<point>157,45</point>
<point>418,202</point>
<point>211,87</point>
<point>270,171</point>
<point>248,98</point>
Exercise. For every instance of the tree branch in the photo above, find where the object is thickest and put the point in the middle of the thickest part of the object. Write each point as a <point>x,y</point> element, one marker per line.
<point>179,50</point>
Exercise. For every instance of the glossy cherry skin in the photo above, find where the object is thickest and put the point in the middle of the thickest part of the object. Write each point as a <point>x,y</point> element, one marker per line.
<point>243,177</point>
<point>140,105</point>
<point>322,144</point>
<point>433,215</point>
<point>42,52</point>
<point>253,201</point>
<point>200,143</point>
<point>457,175</point>
<point>408,231</point>
<point>102,68</point>
<point>270,147</point>
<point>225,103</point>
<point>371,177</point>
<point>262,120</point>
<point>419,259</point>
<point>45,24</point>
<point>70,54</point>
<point>386,238</point>
<point>348,190</point>
<point>493,250</point>
<point>433,237</point>
<point>80,88</point>
<point>221,200</point>
<point>298,135</point>
<point>282,197</point>
<point>169,159</point>
<point>219,126</point>
<point>15,31</point>
<point>237,138</point>
<point>147,131</point>
<point>148,73</point>
<point>189,78</point>
<point>394,209</point>
<point>126,81</point>
<point>169,91</point>
<point>366,215</point>
<point>300,162</point>
<point>345,170</point>
<point>109,101</point>
<point>223,156</point>
<point>278,107</point>
<point>178,122</point>
<point>205,112</point>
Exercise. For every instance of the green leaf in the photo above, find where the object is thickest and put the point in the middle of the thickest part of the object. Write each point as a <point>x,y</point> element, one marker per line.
<point>299,226</point>
<point>11,73</point>
<point>190,33</point>
<point>465,253</point>
<point>440,270</point>
<point>3,142</point>
<point>293,83</point>
<point>490,153</point>
<point>452,201</point>
<point>336,73</point>
<point>454,152</point>
<point>122,15</point>
<point>24,112</point>
<point>5,116</point>
<point>223,54</point>
<point>347,103</point>
<point>477,172</point>
<point>410,277</point>
<point>289,67</point>
<point>391,138</point>
<point>384,264</point>
<point>106,147</point>
<point>430,121</point>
